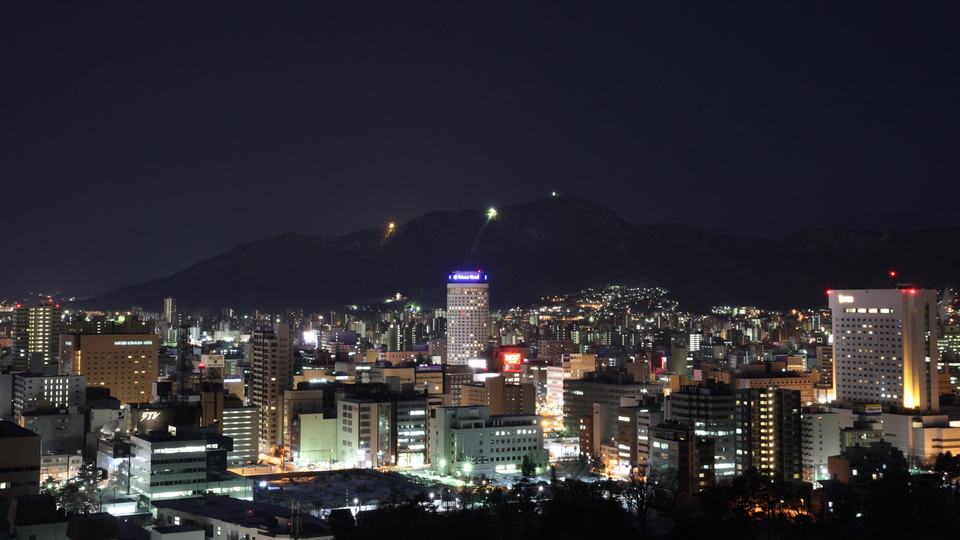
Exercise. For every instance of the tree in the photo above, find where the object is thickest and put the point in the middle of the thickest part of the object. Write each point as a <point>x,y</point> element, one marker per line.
<point>574,468</point>
<point>948,466</point>
<point>527,468</point>
<point>84,493</point>
<point>597,466</point>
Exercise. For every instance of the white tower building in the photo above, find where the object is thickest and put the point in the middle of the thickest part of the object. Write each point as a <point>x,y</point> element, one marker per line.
<point>468,316</point>
<point>885,347</point>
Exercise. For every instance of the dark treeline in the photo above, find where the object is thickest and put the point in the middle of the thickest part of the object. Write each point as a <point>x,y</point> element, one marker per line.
<point>752,506</point>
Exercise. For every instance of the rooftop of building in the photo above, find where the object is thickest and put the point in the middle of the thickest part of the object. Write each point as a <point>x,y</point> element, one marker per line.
<point>170,529</point>
<point>10,430</point>
<point>251,514</point>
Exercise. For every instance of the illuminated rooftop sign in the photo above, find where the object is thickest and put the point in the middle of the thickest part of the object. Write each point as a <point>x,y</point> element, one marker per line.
<point>467,277</point>
<point>845,299</point>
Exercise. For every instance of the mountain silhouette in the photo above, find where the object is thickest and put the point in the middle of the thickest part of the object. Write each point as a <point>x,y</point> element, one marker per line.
<point>548,246</point>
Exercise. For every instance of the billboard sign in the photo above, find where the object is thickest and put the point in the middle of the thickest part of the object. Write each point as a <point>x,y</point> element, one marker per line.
<point>212,360</point>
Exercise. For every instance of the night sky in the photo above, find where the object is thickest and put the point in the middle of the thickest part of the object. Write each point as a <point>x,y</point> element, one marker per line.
<point>137,138</point>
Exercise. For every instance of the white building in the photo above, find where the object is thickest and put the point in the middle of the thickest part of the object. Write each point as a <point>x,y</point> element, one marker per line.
<point>921,438</point>
<point>240,424</point>
<point>468,316</point>
<point>171,465</point>
<point>885,347</point>
<point>468,441</point>
<point>821,439</point>
<point>555,378</point>
<point>376,432</point>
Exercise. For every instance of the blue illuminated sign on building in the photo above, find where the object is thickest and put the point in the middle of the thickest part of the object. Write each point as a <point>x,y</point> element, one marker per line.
<point>468,277</point>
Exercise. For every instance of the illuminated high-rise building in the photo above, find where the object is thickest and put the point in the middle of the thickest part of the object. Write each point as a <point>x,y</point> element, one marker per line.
<point>170,310</point>
<point>468,316</point>
<point>272,363</point>
<point>36,337</point>
<point>885,347</point>
<point>768,432</point>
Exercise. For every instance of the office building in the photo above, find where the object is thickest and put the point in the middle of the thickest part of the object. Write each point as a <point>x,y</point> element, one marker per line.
<point>454,378</point>
<point>468,316</point>
<point>376,430</point>
<point>885,347</point>
<point>603,388</point>
<point>820,433</point>
<point>469,441</point>
<point>948,343</point>
<point>183,462</point>
<point>554,348</point>
<point>127,364</point>
<point>36,335</point>
<point>768,435</point>
<point>710,410</point>
<point>272,363</point>
<point>680,459</point>
<point>33,391</point>
<point>826,368</point>
<point>633,435</point>
<point>502,398</point>
<point>778,373</point>
<point>20,473</point>
<point>62,431</point>
<point>241,423</point>
<point>299,424</point>
<point>60,467</point>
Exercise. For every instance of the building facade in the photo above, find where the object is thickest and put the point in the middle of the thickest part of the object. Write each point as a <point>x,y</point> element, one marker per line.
<point>468,441</point>
<point>32,391</point>
<point>605,388</point>
<point>710,410</point>
<point>36,335</point>
<point>184,462</point>
<point>820,440</point>
<point>272,363</point>
<point>768,436</point>
<point>127,364</point>
<point>885,347</point>
<point>468,316</point>
<point>20,472</point>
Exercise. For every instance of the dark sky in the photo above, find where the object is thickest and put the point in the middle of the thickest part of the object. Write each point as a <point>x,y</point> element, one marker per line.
<point>137,138</point>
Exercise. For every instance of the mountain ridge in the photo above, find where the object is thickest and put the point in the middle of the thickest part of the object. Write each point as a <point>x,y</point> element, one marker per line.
<point>547,246</point>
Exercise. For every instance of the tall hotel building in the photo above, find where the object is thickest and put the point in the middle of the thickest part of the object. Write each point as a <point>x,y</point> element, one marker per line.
<point>468,316</point>
<point>885,347</point>
<point>127,364</point>
<point>272,363</point>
